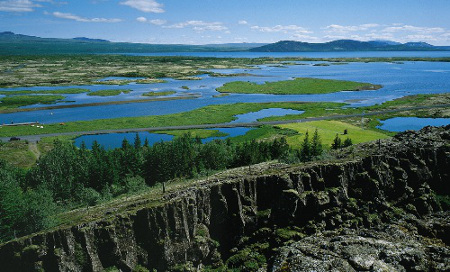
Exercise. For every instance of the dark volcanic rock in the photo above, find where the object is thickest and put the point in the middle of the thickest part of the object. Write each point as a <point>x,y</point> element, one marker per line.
<point>379,212</point>
<point>388,249</point>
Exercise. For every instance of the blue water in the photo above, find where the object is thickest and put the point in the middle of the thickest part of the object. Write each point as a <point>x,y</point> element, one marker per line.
<point>398,80</point>
<point>399,124</point>
<point>232,132</point>
<point>356,54</point>
<point>254,116</point>
<point>114,140</point>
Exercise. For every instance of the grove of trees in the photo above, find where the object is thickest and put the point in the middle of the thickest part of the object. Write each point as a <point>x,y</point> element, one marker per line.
<point>68,176</point>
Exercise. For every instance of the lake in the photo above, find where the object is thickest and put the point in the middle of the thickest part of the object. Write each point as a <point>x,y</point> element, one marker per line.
<point>114,140</point>
<point>399,124</point>
<point>353,54</point>
<point>398,80</point>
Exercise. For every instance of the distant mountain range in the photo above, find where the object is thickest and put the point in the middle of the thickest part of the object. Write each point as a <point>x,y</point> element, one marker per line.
<point>18,44</point>
<point>347,45</point>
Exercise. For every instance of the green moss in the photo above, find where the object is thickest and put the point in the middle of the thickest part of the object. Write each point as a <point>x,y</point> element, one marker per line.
<point>443,201</point>
<point>139,268</point>
<point>264,213</point>
<point>80,255</point>
<point>246,260</point>
<point>112,269</point>
<point>285,234</point>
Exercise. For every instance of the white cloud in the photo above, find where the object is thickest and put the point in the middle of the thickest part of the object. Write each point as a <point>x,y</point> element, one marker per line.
<point>280,28</point>
<point>17,5</point>
<point>70,16</point>
<point>243,22</point>
<point>345,29</point>
<point>416,29</point>
<point>154,21</point>
<point>158,22</point>
<point>145,5</point>
<point>141,19</point>
<point>200,26</point>
<point>305,38</point>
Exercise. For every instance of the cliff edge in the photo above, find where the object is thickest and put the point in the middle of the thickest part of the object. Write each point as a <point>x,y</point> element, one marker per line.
<point>385,210</point>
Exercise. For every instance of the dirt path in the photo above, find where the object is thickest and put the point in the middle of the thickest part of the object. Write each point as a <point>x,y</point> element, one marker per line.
<point>32,146</point>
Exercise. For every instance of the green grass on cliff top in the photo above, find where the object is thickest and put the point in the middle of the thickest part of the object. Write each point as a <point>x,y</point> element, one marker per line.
<point>301,85</point>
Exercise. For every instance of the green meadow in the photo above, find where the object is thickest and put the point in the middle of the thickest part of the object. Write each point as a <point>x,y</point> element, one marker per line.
<point>301,85</point>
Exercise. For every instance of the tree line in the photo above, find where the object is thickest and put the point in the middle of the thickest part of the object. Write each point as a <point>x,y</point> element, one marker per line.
<point>68,176</point>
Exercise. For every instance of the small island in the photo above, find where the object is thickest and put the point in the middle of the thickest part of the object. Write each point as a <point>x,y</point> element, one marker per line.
<point>300,85</point>
<point>108,92</point>
<point>164,93</point>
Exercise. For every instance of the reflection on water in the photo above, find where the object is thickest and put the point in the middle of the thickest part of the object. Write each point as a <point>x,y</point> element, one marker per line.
<point>399,124</point>
<point>114,140</point>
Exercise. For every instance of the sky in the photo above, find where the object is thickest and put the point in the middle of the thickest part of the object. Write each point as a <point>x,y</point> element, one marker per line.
<point>230,21</point>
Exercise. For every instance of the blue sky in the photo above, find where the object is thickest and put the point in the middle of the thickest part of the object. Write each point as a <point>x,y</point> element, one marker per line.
<point>213,21</point>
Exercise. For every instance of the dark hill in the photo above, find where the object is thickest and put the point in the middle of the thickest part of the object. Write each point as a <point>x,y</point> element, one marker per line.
<point>346,45</point>
<point>18,44</point>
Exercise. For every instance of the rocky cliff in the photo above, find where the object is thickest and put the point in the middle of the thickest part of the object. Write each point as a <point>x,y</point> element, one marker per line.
<point>385,210</point>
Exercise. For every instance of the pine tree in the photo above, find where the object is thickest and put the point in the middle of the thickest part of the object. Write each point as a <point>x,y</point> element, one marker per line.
<point>347,142</point>
<point>337,142</point>
<point>316,145</point>
<point>137,141</point>
<point>305,152</point>
<point>146,143</point>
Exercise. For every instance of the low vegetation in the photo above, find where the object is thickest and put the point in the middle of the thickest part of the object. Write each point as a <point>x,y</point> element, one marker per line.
<point>207,115</point>
<point>297,86</point>
<point>108,92</point>
<point>164,93</point>
<point>15,101</point>
<point>61,91</point>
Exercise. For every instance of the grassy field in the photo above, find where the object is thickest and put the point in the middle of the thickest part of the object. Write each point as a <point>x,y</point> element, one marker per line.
<point>328,130</point>
<point>297,86</point>
<point>165,93</point>
<point>206,115</point>
<point>108,92</point>
<point>14,101</point>
<point>225,113</point>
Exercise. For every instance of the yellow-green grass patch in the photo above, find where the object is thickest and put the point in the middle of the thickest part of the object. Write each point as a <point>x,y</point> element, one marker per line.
<point>328,130</point>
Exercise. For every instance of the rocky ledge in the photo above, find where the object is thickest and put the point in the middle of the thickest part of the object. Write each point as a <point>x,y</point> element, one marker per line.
<point>384,210</point>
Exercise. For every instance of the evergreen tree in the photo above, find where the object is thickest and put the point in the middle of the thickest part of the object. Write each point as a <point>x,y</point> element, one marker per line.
<point>347,142</point>
<point>316,145</point>
<point>305,151</point>
<point>337,142</point>
<point>137,141</point>
<point>146,143</point>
